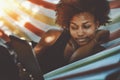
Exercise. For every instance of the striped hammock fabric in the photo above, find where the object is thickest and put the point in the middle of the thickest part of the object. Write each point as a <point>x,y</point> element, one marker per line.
<point>29,19</point>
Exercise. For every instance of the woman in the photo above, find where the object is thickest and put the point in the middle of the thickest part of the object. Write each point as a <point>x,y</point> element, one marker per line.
<point>79,38</point>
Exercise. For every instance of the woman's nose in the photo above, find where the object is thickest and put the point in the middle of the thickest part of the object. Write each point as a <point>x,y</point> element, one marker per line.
<point>80,32</point>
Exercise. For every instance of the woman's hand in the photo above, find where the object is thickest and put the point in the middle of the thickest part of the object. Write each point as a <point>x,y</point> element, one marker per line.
<point>102,36</point>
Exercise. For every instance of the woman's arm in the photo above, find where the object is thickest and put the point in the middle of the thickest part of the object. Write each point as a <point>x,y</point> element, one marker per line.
<point>84,51</point>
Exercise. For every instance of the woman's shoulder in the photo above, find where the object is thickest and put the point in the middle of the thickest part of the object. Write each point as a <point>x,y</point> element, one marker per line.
<point>55,32</point>
<point>52,35</point>
<point>47,39</point>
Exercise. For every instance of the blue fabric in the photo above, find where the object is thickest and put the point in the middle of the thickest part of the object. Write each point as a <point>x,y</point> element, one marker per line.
<point>100,59</point>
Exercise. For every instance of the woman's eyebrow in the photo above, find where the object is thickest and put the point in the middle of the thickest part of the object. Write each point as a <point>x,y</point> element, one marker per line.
<point>78,25</point>
<point>85,22</point>
<point>73,23</point>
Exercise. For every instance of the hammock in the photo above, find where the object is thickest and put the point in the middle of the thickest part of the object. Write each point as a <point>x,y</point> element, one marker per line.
<point>99,66</point>
<point>104,65</point>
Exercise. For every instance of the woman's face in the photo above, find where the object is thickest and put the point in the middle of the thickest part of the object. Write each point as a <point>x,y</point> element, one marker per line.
<point>83,27</point>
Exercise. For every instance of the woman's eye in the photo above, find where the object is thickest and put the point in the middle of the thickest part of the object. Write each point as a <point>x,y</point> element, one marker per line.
<point>74,27</point>
<point>86,26</point>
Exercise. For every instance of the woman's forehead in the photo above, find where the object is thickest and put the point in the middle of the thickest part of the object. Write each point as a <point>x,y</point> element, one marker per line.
<point>83,17</point>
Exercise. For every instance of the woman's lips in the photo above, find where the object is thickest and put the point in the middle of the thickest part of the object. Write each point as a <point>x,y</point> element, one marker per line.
<point>81,39</point>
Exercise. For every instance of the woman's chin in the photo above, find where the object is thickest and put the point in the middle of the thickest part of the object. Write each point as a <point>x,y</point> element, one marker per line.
<point>82,43</point>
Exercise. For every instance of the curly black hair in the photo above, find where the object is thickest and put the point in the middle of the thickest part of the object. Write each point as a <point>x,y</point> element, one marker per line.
<point>66,9</point>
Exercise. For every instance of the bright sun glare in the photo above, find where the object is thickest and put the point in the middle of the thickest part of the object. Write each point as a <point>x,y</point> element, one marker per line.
<point>4,4</point>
